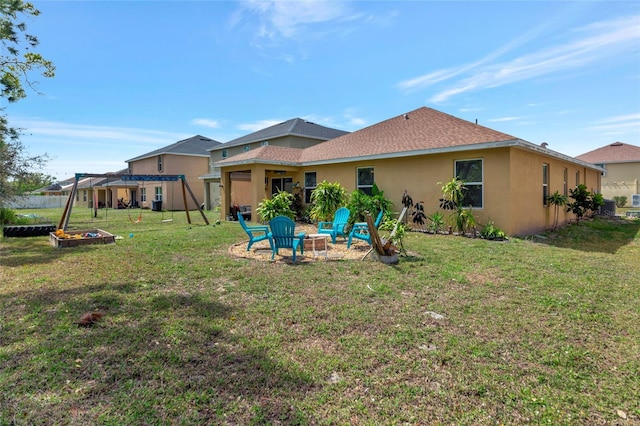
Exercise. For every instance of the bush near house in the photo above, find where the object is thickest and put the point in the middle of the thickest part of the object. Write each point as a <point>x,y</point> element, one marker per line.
<point>620,201</point>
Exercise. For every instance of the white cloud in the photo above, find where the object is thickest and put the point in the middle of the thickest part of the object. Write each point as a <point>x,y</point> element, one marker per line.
<point>502,119</point>
<point>592,44</point>
<point>288,18</point>
<point>94,134</point>
<point>258,125</point>
<point>619,123</point>
<point>206,122</point>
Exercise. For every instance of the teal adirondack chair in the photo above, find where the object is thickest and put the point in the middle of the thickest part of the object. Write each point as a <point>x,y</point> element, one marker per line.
<point>360,230</point>
<point>256,233</point>
<point>283,235</point>
<point>335,228</point>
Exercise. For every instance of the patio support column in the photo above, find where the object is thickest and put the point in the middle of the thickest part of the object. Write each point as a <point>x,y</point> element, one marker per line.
<point>207,195</point>
<point>257,189</point>
<point>225,199</point>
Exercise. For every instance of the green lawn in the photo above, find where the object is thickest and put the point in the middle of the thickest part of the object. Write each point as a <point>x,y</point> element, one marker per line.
<point>462,331</point>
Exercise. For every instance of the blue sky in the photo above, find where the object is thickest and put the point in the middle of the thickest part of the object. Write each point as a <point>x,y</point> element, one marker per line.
<point>133,76</point>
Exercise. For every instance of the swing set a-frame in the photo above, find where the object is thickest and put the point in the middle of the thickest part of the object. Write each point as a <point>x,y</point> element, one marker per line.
<point>64,221</point>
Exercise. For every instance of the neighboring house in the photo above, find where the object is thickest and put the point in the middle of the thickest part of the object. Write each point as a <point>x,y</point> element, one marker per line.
<point>621,176</point>
<point>508,178</point>
<point>62,187</point>
<point>294,133</point>
<point>188,157</point>
<point>106,191</point>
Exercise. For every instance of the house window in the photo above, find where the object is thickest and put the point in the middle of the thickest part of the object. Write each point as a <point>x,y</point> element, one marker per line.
<point>565,183</point>
<point>159,163</point>
<point>365,180</point>
<point>246,148</point>
<point>264,143</point>
<point>158,193</point>
<point>577,177</point>
<point>224,153</point>
<point>471,172</point>
<point>84,195</point>
<point>143,194</point>
<point>281,184</point>
<point>545,184</point>
<point>309,185</point>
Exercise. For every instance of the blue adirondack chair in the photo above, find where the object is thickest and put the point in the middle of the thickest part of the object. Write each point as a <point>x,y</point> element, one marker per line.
<point>335,228</point>
<point>256,233</point>
<point>360,230</point>
<point>283,235</point>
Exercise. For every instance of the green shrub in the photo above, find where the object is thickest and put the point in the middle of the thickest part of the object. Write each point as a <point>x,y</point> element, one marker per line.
<point>620,201</point>
<point>326,199</point>
<point>360,204</point>
<point>492,232</point>
<point>7,216</point>
<point>278,205</point>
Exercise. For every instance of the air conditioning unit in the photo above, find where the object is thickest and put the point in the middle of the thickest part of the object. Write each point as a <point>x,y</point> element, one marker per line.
<point>635,200</point>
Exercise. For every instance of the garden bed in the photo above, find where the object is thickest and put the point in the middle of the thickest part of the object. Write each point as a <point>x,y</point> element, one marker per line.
<point>80,238</point>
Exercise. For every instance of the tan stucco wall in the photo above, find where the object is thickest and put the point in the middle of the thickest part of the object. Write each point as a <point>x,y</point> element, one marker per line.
<point>621,179</point>
<point>512,195</point>
<point>172,198</point>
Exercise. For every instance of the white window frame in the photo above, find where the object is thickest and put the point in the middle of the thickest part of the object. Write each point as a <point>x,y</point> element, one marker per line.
<point>158,193</point>
<point>309,189</point>
<point>468,183</point>
<point>545,184</point>
<point>143,195</point>
<point>365,186</point>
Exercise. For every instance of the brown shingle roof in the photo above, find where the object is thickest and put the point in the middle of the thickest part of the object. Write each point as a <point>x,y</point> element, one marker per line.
<point>268,153</point>
<point>617,152</point>
<point>418,130</point>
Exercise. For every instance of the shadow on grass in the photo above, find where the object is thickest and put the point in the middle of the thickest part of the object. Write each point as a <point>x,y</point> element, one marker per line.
<point>157,354</point>
<point>601,234</point>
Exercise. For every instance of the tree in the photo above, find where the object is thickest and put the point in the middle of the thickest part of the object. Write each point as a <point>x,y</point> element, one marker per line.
<point>557,200</point>
<point>31,181</point>
<point>17,62</point>
<point>584,202</point>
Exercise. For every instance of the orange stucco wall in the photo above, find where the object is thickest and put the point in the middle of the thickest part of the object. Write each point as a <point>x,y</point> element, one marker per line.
<point>172,199</point>
<point>512,191</point>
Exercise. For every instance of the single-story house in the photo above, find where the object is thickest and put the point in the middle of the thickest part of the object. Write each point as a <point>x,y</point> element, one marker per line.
<point>293,133</point>
<point>621,176</point>
<point>508,178</point>
<point>188,157</point>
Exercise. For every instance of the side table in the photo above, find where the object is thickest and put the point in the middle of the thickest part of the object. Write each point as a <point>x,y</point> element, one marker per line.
<point>316,237</point>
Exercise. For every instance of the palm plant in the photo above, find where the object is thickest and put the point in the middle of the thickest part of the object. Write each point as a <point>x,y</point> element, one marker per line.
<point>557,200</point>
<point>326,199</point>
<point>452,198</point>
<point>278,205</point>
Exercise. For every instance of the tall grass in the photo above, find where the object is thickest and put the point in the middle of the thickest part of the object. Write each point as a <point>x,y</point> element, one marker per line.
<point>461,331</point>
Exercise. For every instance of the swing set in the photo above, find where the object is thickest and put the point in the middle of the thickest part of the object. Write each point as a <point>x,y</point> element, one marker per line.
<point>64,221</point>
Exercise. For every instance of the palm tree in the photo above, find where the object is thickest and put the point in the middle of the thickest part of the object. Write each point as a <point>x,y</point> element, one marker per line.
<point>557,200</point>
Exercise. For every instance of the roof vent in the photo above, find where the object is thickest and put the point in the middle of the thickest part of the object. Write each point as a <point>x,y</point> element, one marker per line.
<point>616,144</point>
<point>406,116</point>
<point>544,144</point>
